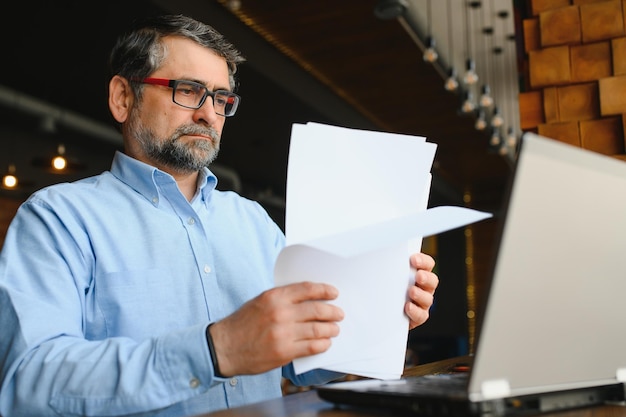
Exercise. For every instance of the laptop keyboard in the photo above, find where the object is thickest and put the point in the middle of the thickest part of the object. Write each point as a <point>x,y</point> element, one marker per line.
<point>427,384</point>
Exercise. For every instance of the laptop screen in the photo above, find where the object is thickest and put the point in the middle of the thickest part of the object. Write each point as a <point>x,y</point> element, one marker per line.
<point>555,311</point>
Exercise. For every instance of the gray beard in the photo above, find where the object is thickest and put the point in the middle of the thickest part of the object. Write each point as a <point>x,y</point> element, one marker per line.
<point>190,156</point>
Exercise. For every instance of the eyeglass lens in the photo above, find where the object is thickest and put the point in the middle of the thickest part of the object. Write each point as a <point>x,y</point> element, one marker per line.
<point>192,95</point>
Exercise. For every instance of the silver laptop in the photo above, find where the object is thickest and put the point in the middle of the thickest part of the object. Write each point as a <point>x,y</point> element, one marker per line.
<point>554,330</point>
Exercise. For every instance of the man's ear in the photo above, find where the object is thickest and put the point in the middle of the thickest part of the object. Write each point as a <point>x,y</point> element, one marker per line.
<point>120,98</point>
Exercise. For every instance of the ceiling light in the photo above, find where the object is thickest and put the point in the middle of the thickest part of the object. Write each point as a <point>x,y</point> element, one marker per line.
<point>9,180</point>
<point>470,77</point>
<point>497,120</point>
<point>430,54</point>
<point>495,140</point>
<point>451,83</point>
<point>511,138</point>
<point>486,100</point>
<point>59,162</point>
<point>468,105</point>
<point>481,123</point>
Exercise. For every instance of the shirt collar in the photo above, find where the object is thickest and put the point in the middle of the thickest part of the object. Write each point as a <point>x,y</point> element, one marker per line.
<point>145,178</point>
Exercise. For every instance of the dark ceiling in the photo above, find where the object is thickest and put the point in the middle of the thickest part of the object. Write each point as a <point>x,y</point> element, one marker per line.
<point>323,60</point>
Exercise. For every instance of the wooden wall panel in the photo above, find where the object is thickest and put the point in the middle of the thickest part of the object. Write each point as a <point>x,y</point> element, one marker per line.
<point>576,60</point>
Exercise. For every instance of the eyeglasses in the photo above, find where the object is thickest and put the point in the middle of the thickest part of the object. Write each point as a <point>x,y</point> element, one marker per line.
<point>192,95</point>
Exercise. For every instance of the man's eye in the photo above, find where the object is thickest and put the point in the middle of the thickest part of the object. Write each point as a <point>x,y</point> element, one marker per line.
<point>187,91</point>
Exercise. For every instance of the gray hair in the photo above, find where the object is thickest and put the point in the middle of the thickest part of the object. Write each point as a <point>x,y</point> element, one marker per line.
<point>140,52</point>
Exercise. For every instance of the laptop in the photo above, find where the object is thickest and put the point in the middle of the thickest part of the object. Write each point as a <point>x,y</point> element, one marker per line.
<point>553,334</point>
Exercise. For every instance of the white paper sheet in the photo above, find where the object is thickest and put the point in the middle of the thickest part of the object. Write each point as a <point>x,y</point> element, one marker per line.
<point>356,207</point>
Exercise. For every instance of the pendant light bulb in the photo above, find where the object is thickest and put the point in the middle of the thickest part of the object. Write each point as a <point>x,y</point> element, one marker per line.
<point>511,139</point>
<point>430,54</point>
<point>481,123</point>
<point>10,180</point>
<point>451,83</point>
<point>497,120</point>
<point>470,77</point>
<point>486,101</point>
<point>59,162</point>
<point>468,105</point>
<point>495,139</point>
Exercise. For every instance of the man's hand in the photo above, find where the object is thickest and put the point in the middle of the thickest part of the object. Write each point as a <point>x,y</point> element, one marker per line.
<point>421,294</point>
<point>276,327</point>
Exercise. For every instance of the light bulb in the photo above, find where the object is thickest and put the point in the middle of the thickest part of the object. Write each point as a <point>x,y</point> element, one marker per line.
<point>511,139</point>
<point>481,123</point>
<point>468,105</point>
<point>497,120</point>
<point>10,180</point>
<point>59,163</point>
<point>430,54</point>
<point>470,77</point>
<point>451,83</point>
<point>486,100</point>
<point>495,138</point>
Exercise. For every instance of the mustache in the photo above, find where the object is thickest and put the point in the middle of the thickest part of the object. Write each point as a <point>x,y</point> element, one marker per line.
<point>196,130</point>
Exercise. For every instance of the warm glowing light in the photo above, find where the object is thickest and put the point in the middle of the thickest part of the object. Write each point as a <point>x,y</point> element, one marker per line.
<point>470,77</point>
<point>451,83</point>
<point>481,123</point>
<point>430,54</point>
<point>485,100</point>
<point>59,163</point>
<point>9,181</point>
<point>495,139</point>
<point>511,139</point>
<point>468,105</point>
<point>497,120</point>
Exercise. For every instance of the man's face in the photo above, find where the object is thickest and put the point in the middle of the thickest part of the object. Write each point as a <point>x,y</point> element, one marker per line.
<point>174,138</point>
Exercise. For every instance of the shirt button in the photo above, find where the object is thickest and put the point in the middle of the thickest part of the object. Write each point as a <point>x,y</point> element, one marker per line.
<point>194,382</point>
<point>207,269</point>
<point>233,382</point>
<point>155,200</point>
<point>191,221</point>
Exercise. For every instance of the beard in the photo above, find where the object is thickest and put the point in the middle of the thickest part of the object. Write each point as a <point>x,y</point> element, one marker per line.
<point>183,156</point>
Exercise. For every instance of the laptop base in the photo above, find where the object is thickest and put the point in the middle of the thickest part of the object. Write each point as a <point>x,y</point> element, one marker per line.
<point>386,395</point>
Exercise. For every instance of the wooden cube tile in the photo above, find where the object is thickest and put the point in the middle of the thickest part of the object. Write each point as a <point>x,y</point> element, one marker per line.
<point>618,54</point>
<point>532,40</point>
<point>612,97</point>
<point>605,136</point>
<point>549,66</point>
<point>600,21</point>
<point>591,61</point>
<point>538,6</point>
<point>551,105</point>
<point>567,132</point>
<point>530,109</point>
<point>560,26</point>
<point>578,102</point>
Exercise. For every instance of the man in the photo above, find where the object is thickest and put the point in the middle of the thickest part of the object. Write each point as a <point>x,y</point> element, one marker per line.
<point>144,290</point>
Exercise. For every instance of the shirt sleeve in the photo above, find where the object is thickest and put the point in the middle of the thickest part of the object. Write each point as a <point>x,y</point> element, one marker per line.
<point>47,365</point>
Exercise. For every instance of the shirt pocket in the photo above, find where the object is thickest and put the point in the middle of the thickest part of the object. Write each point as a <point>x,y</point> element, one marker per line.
<point>148,302</point>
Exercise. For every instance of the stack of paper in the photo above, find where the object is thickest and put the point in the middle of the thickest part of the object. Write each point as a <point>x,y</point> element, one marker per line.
<point>356,209</point>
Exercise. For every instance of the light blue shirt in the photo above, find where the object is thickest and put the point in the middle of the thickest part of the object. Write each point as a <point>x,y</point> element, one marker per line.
<point>107,286</point>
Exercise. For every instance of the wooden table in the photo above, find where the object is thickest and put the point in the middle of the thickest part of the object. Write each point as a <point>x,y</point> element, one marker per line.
<point>308,404</point>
